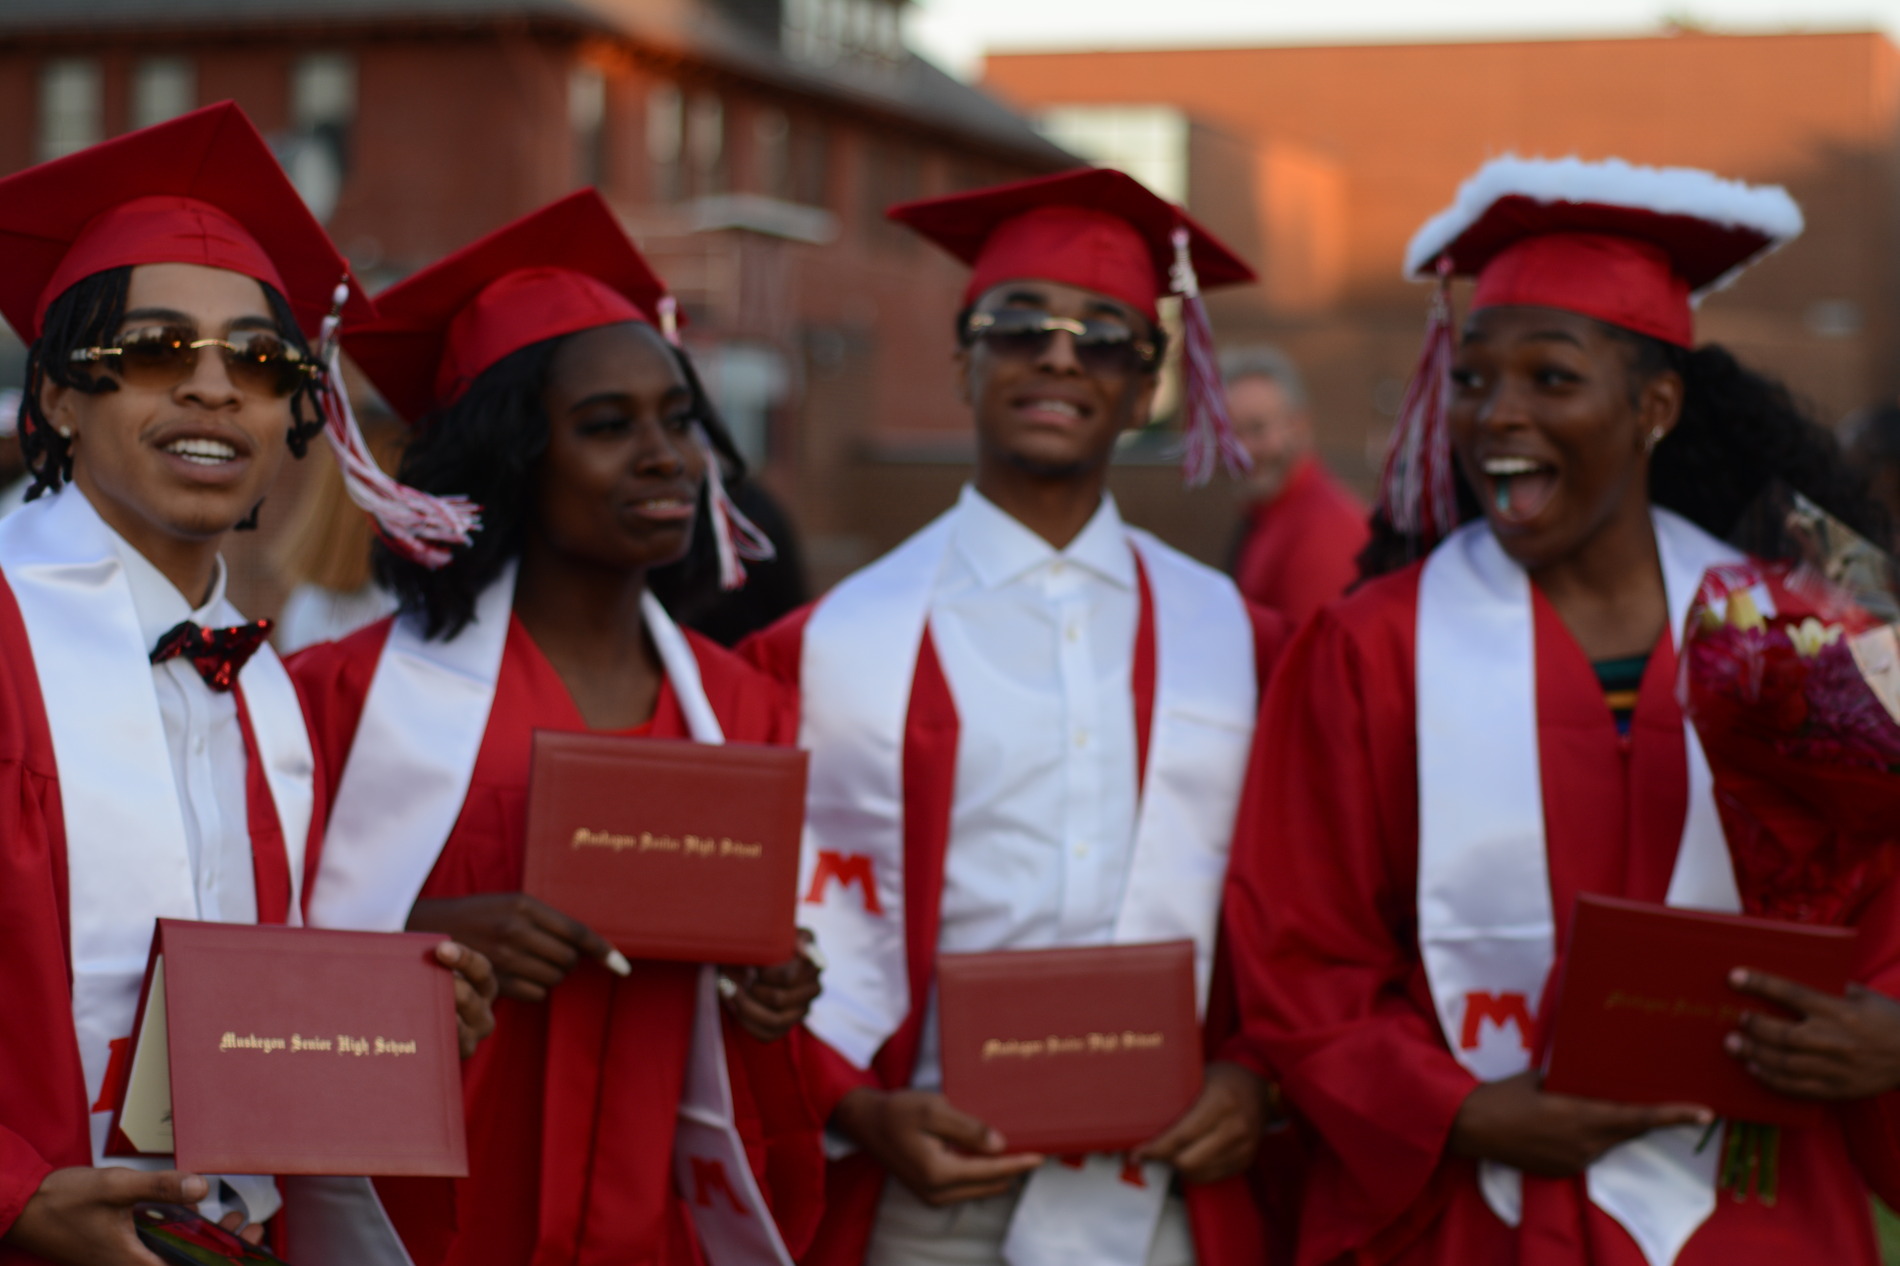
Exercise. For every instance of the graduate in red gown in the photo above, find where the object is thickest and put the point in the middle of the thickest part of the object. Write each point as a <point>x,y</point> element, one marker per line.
<point>1029,725</point>
<point>154,753</point>
<point>153,756</point>
<point>534,364</point>
<point>1467,742</point>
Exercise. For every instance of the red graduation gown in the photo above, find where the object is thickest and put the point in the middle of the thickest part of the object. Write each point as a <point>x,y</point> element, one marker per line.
<point>1300,549</point>
<point>1226,1219</point>
<point>44,1113</point>
<point>1322,912</point>
<point>560,1152</point>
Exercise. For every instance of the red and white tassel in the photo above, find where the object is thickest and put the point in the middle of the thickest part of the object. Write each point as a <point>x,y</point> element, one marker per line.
<point>1416,493</point>
<point>418,525</point>
<point>735,536</point>
<point>1208,432</point>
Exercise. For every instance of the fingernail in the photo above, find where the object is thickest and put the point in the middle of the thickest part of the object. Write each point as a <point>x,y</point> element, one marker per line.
<point>196,1188</point>
<point>449,952</point>
<point>812,955</point>
<point>728,989</point>
<point>617,963</point>
<point>1738,978</point>
<point>995,1142</point>
<point>1732,1044</point>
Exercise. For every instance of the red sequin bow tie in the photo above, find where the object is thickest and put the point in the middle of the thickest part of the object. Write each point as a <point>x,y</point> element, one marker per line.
<point>218,654</point>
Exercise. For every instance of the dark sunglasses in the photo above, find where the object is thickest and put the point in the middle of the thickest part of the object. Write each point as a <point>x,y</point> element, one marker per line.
<point>258,361</point>
<point>1102,347</point>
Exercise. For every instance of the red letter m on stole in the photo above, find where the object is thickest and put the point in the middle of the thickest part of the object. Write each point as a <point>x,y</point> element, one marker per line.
<point>1499,1008</point>
<point>847,869</point>
<point>710,1179</point>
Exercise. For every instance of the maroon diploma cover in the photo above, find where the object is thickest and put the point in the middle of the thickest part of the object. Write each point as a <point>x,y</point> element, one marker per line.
<point>275,1050</point>
<point>669,849</point>
<point>1066,1051</point>
<point>1644,1004</point>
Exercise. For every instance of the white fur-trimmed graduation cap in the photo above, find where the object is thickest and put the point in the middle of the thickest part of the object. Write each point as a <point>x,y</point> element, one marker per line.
<point>1635,247</point>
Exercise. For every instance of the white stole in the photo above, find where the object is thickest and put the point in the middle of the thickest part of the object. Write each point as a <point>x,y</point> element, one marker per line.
<point>859,656</point>
<point>401,792</point>
<point>1486,927</point>
<point>127,860</point>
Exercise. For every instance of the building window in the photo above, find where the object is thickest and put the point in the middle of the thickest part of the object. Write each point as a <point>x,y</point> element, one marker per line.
<point>771,138</point>
<point>825,31</point>
<point>323,92</point>
<point>587,117</point>
<point>316,154</point>
<point>162,88</point>
<point>666,129</point>
<point>69,106</point>
<point>706,143</point>
<point>811,163</point>
<point>1149,142</point>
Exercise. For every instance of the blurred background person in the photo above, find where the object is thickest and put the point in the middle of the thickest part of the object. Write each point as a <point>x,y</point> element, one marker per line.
<point>1295,549</point>
<point>324,556</point>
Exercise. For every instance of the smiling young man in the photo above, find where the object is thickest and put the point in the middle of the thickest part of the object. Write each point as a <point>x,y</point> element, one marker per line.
<point>1028,727</point>
<point>153,756</point>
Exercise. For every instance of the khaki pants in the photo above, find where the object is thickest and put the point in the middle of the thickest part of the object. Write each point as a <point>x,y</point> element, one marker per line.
<point>911,1233</point>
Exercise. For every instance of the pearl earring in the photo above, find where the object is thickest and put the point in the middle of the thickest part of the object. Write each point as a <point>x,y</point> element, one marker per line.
<point>65,432</point>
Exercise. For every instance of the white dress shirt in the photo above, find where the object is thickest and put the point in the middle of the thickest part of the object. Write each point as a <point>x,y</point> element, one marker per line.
<point>209,763</point>
<point>1037,646</point>
<point>209,767</point>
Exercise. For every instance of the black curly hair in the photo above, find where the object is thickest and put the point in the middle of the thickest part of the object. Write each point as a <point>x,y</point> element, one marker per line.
<point>88,314</point>
<point>485,446</point>
<point>1739,431</point>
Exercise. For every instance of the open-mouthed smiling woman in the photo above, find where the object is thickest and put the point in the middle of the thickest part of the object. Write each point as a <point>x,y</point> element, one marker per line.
<point>1457,749</point>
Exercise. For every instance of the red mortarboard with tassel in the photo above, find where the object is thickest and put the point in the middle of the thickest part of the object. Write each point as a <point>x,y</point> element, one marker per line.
<point>1101,230</point>
<point>205,189</point>
<point>1634,247</point>
<point>567,267</point>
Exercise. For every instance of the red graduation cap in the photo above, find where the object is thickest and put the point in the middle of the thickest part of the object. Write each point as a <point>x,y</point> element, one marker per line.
<point>1101,230</point>
<point>565,268</point>
<point>1094,227</point>
<point>202,188</point>
<point>1635,247</point>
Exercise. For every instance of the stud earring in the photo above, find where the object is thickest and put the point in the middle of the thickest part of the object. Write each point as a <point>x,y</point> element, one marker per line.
<point>1654,438</point>
<point>65,432</point>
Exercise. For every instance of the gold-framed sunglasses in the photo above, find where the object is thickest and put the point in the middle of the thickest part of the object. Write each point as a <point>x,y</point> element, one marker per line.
<point>1102,347</point>
<point>258,361</point>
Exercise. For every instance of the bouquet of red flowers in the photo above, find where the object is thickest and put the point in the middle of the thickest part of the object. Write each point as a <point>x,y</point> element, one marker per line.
<point>1790,672</point>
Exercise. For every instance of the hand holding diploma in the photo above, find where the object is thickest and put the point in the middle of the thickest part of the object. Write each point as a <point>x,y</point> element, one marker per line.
<point>83,1217</point>
<point>475,987</point>
<point>943,1155</point>
<point>530,945</point>
<point>1841,1048</point>
<point>1516,1122</point>
<point>769,1002</point>
<point>1217,1137</point>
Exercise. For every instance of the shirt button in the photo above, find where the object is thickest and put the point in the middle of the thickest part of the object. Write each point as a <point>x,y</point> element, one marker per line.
<point>1081,850</point>
<point>1073,633</point>
<point>1081,738</point>
<point>1057,568</point>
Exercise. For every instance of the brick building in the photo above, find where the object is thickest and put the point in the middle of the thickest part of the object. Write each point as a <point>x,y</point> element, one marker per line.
<point>750,145</point>
<point>1320,162</point>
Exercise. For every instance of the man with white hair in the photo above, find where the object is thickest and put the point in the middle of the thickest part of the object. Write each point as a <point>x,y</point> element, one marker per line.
<point>1303,530</point>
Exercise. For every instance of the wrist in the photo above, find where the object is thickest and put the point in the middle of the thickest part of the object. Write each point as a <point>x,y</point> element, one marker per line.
<point>856,1113</point>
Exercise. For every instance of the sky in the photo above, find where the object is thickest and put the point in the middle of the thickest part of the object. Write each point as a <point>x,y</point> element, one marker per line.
<point>954,33</point>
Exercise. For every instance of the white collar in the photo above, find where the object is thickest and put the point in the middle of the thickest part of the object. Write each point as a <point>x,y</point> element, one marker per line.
<point>999,549</point>
<point>155,599</point>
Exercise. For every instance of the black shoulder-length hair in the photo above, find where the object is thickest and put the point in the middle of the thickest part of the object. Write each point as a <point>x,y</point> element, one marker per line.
<point>485,446</point>
<point>88,314</point>
<point>1739,431</point>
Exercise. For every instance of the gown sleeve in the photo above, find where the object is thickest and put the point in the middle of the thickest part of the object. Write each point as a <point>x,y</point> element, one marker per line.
<point>1320,914</point>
